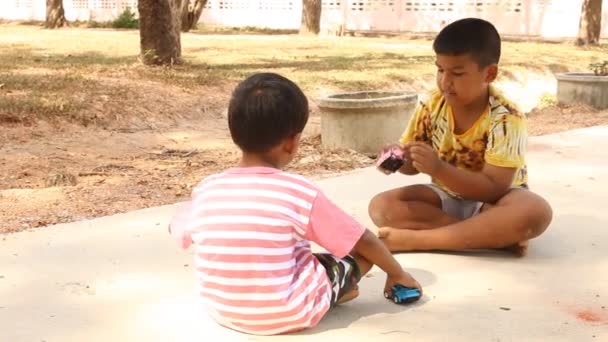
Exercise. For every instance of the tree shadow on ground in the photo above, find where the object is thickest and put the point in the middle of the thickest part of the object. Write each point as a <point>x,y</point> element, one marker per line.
<point>333,63</point>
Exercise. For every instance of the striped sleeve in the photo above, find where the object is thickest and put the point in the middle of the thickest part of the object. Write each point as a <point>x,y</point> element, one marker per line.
<point>332,228</point>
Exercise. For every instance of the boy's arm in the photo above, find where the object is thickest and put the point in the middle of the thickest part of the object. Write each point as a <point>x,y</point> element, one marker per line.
<point>340,234</point>
<point>487,186</point>
<point>374,252</point>
<point>504,153</point>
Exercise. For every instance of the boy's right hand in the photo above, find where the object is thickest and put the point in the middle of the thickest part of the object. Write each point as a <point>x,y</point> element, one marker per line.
<point>404,279</point>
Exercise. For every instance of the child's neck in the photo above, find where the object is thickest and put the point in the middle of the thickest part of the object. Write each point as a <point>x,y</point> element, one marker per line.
<point>465,116</point>
<point>258,160</point>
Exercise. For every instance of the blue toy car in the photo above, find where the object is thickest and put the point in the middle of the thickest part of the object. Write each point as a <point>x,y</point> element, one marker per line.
<point>403,295</point>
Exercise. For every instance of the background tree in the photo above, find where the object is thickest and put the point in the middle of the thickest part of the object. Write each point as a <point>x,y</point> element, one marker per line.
<point>311,17</point>
<point>590,26</point>
<point>159,31</point>
<point>55,15</point>
<point>192,14</point>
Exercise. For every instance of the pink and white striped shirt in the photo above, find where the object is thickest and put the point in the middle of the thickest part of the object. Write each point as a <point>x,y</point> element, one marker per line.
<point>251,228</point>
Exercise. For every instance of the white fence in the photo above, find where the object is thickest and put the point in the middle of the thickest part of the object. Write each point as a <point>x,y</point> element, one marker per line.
<point>83,10</point>
<point>544,18</point>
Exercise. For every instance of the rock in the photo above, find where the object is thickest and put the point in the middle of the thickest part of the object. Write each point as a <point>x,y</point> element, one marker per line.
<point>60,179</point>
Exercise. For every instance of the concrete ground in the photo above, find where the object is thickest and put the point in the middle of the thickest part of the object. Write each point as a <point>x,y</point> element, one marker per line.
<point>122,278</point>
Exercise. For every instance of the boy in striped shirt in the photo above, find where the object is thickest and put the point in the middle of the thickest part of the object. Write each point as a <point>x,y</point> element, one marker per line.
<point>252,225</point>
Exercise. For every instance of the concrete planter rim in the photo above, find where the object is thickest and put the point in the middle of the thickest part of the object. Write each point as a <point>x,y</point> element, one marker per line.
<point>341,100</point>
<point>581,77</point>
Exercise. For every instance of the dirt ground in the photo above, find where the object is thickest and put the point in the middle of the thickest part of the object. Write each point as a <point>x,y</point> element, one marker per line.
<point>51,175</point>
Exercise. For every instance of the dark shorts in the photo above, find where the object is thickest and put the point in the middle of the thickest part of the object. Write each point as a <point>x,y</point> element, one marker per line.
<point>344,274</point>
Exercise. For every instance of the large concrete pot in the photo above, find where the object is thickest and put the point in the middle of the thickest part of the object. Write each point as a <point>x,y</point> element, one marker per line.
<point>586,88</point>
<point>364,121</point>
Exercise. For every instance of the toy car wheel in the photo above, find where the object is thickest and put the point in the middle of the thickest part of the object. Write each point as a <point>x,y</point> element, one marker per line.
<point>396,300</point>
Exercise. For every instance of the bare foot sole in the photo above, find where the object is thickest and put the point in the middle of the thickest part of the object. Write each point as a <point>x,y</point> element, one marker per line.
<point>350,295</point>
<point>520,249</point>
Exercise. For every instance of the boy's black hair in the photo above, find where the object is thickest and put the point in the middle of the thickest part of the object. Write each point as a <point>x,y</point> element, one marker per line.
<point>473,36</point>
<point>264,109</point>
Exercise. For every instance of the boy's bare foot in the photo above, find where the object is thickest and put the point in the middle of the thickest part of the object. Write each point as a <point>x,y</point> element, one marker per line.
<point>404,240</point>
<point>520,249</point>
<point>350,295</point>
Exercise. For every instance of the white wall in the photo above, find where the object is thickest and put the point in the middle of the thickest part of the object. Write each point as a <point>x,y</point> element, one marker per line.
<point>545,18</point>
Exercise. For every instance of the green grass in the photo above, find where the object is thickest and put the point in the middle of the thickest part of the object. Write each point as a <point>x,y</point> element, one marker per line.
<point>547,100</point>
<point>54,73</point>
<point>126,20</point>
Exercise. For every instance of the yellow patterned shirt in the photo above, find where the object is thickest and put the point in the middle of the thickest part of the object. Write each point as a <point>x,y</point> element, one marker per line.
<point>498,137</point>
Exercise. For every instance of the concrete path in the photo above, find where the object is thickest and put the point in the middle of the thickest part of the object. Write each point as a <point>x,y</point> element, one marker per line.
<point>122,278</point>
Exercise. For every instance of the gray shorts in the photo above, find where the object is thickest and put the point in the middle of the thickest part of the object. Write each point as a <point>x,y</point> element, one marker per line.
<point>457,207</point>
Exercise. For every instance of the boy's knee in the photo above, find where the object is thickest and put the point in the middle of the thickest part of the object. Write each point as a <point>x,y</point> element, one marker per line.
<point>534,214</point>
<point>386,210</point>
<point>538,215</point>
<point>378,209</point>
<point>541,215</point>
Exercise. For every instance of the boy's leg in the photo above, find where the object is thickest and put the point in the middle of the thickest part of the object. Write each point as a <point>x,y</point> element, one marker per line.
<point>412,207</point>
<point>344,275</point>
<point>348,296</point>
<point>364,267</point>
<point>517,217</point>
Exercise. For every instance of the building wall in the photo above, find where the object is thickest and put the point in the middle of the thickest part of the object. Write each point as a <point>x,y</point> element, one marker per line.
<point>543,18</point>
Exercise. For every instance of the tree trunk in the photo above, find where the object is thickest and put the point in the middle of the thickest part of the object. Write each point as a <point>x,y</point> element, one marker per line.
<point>311,17</point>
<point>159,31</point>
<point>55,15</point>
<point>590,26</point>
<point>191,15</point>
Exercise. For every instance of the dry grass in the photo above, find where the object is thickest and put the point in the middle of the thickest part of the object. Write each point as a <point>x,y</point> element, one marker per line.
<point>64,73</point>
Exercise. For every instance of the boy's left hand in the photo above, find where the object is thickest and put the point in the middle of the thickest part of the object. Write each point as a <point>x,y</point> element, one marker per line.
<point>425,158</point>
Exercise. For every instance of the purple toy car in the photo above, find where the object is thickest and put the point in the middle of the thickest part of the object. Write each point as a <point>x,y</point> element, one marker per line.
<point>391,160</point>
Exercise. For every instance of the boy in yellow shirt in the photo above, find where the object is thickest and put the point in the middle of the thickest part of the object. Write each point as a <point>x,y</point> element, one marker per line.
<point>472,141</point>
